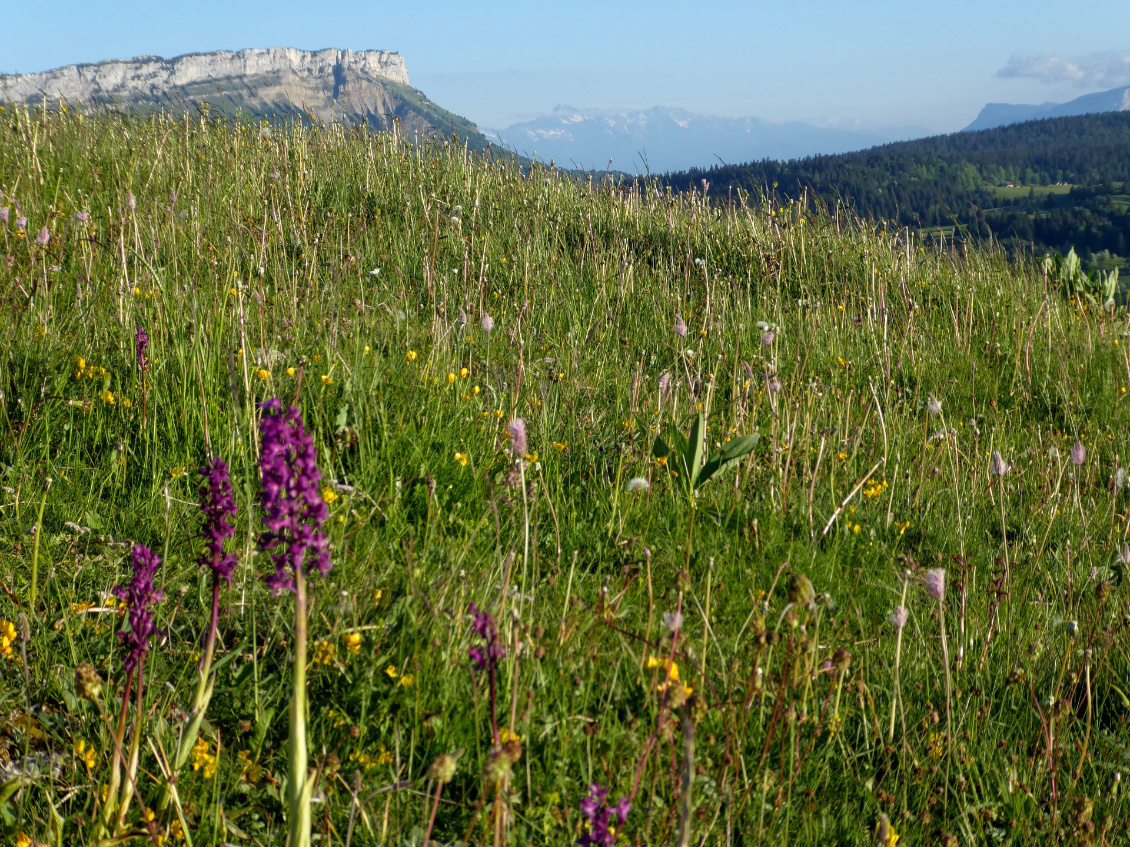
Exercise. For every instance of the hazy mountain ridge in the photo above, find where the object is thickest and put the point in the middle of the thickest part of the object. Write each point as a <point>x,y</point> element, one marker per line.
<point>1002,114</point>
<point>669,139</point>
<point>369,86</point>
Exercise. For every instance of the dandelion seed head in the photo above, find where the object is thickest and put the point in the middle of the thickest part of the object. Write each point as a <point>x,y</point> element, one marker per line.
<point>637,483</point>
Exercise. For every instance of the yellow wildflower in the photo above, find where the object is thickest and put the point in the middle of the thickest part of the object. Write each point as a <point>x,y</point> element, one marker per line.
<point>327,379</point>
<point>329,496</point>
<point>202,759</point>
<point>464,373</point>
<point>263,373</point>
<point>107,397</point>
<point>462,459</point>
<point>353,642</point>
<point>450,378</point>
<point>476,390</point>
<point>391,671</point>
<point>324,653</point>
<point>532,457</point>
<point>85,754</point>
<point>290,371</point>
<point>408,680</point>
<point>410,356</point>
<point>560,446</point>
<point>384,757</point>
<point>505,735</point>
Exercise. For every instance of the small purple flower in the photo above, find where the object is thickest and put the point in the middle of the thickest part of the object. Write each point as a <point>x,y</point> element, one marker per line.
<point>43,237</point>
<point>898,617</point>
<point>664,382</point>
<point>292,504</point>
<point>141,344</point>
<point>218,505</point>
<point>21,223</point>
<point>680,326</point>
<point>767,338</point>
<point>491,652</point>
<point>1078,454</point>
<point>602,820</point>
<point>82,217</point>
<point>518,438</point>
<point>936,583</point>
<point>140,595</point>
<point>4,214</point>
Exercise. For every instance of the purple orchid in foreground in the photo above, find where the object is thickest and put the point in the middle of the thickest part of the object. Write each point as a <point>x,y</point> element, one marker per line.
<point>602,820</point>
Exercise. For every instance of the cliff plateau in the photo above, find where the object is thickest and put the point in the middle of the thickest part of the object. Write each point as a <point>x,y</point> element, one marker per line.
<point>369,86</point>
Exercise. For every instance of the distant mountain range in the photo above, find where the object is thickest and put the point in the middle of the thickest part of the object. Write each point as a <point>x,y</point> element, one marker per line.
<point>663,139</point>
<point>367,87</point>
<point>1002,114</point>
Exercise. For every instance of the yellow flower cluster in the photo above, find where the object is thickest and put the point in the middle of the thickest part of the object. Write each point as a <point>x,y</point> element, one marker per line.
<point>352,642</point>
<point>874,489</point>
<point>383,757</point>
<point>87,371</point>
<point>203,758</point>
<point>324,653</point>
<point>84,753</point>
<point>672,674</point>
<point>7,636</point>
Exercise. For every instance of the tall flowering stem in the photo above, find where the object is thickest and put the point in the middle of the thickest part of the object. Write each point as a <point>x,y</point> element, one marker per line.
<point>293,515</point>
<point>218,507</point>
<point>140,348</point>
<point>140,596</point>
<point>486,658</point>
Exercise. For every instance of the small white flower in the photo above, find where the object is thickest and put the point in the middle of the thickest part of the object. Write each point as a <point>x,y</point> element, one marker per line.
<point>375,272</point>
<point>637,483</point>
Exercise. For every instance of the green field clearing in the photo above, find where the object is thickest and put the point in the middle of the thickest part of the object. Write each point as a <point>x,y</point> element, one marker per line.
<point>783,527</point>
<point>1020,191</point>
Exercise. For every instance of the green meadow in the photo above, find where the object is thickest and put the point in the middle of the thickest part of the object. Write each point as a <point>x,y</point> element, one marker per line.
<point>818,536</point>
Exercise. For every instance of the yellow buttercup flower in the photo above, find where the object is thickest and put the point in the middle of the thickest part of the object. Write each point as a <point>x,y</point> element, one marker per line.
<point>391,671</point>
<point>263,373</point>
<point>450,378</point>
<point>329,496</point>
<point>408,680</point>
<point>290,371</point>
<point>327,379</point>
<point>84,753</point>
<point>410,356</point>
<point>353,642</point>
<point>462,459</point>
<point>560,446</point>
<point>464,373</point>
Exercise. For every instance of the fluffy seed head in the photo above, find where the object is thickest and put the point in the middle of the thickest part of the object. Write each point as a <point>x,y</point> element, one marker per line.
<point>1078,453</point>
<point>518,438</point>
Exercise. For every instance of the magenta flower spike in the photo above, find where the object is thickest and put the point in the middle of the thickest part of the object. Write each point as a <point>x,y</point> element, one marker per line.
<point>218,506</point>
<point>293,509</point>
<point>601,820</point>
<point>140,596</point>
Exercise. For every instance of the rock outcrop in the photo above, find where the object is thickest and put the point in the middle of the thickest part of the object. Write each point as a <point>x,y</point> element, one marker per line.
<point>370,86</point>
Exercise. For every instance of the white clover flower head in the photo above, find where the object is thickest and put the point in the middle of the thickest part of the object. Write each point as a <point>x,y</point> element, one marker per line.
<point>375,272</point>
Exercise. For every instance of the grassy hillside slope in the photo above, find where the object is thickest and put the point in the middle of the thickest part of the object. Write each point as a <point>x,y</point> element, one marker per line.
<point>776,660</point>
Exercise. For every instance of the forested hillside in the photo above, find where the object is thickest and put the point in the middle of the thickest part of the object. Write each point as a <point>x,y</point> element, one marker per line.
<point>1052,184</point>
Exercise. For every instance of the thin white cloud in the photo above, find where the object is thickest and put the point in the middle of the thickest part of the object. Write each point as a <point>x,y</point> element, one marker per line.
<point>1096,70</point>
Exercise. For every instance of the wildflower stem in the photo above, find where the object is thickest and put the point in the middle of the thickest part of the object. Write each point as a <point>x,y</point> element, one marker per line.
<point>896,696</point>
<point>35,548</point>
<point>298,791</point>
<point>432,816</point>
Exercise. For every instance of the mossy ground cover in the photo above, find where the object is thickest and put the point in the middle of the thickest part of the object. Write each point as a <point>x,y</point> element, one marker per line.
<point>828,677</point>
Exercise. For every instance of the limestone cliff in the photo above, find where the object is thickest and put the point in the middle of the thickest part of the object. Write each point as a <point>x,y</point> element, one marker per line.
<point>369,86</point>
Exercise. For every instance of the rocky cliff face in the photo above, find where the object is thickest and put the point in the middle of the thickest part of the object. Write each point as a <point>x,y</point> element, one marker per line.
<point>370,86</point>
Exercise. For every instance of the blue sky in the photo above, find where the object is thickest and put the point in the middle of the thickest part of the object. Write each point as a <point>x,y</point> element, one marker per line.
<point>867,62</point>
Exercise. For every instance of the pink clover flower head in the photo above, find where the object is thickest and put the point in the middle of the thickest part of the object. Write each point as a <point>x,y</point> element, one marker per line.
<point>293,508</point>
<point>518,438</point>
<point>936,583</point>
<point>601,820</point>
<point>680,326</point>
<point>487,323</point>
<point>140,596</point>
<point>21,222</point>
<point>131,201</point>
<point>82,217</point>
<point>4,212</point>
<point>43,237</point>
<point>898,617</point>
<point>218,505</point>
<point>664,382</point>
<point>1078,454</point>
